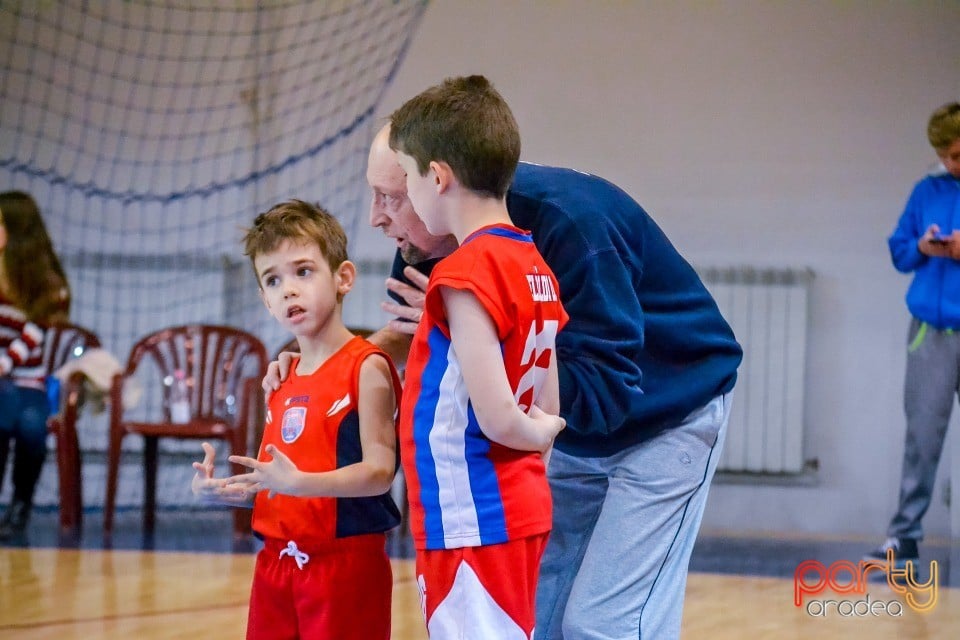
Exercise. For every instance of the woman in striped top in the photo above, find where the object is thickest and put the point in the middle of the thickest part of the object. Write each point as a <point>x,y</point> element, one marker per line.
<point>33,294</point>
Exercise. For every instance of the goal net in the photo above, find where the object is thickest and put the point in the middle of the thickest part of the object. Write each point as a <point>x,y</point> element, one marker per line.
<point>151,132</point>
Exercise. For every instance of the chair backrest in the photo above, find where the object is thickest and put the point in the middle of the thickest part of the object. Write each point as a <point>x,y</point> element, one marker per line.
<point>217,362</point>
<point>64,341</point>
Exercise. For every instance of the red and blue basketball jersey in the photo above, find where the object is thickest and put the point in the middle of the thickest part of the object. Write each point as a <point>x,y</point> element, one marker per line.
<point>464,489</point>
<point>313,419</point>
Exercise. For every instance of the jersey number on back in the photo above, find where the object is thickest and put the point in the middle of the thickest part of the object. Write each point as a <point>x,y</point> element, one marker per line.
<point>535,362</point>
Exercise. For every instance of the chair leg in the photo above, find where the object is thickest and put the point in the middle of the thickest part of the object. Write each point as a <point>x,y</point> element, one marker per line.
<point>242,516</point>
<point>242,520</point>
<point>113,472</point>
<point>149,482</point>
<point>399,493</point>
<point>68,469</point>
<point>4,454</point>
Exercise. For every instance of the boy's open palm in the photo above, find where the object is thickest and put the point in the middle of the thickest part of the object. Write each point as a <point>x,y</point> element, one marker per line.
<point>279,475</point>
<point>210,489</point>
<point>204,485</point>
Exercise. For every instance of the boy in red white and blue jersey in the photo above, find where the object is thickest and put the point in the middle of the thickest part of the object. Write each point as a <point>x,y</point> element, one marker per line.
<point>467,490</point>
<point>480,399</point>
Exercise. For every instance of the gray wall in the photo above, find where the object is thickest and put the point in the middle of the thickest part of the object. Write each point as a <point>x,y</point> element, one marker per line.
<point>761,133</point>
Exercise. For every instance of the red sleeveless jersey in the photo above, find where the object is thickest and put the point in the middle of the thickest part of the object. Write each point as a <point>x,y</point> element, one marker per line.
<point>464,489</point>
<point>313,419</point>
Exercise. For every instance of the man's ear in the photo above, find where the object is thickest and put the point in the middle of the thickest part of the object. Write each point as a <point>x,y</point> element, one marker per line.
<point>346,275</point>
<point>442,175</point>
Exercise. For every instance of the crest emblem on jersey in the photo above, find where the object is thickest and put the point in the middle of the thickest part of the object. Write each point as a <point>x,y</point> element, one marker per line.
<point>294,419</point>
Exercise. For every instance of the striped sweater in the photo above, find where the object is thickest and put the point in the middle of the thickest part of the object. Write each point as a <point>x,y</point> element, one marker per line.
<point>21,347</point>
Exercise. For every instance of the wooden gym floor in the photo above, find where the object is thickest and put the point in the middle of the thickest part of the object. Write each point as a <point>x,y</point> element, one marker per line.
<point>160,588</point>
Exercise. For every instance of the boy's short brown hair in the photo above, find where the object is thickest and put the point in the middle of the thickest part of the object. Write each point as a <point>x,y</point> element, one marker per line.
<point>944,126</point>
<point>466,123</point>
<point>300,222</point>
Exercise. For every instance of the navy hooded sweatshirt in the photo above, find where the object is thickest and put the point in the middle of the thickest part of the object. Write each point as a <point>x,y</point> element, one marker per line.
<point>646,344</point>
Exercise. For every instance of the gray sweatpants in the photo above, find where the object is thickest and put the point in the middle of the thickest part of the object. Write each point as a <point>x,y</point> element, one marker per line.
<point>615,566</point>
<point>932,380</point>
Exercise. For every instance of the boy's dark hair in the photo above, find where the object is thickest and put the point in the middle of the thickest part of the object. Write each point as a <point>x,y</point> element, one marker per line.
<point>944,126</point>
<point>300,222</point>
<point>466,123</point>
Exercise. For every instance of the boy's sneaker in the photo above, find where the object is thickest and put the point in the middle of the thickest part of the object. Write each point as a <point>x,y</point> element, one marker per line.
<point>904,549</point>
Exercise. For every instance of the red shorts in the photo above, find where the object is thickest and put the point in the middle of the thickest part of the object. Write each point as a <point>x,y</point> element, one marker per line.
<point>481,592</point>
<point>342,591</point>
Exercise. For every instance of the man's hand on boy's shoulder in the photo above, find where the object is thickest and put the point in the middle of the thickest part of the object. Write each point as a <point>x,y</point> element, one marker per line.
<point>277,372</point>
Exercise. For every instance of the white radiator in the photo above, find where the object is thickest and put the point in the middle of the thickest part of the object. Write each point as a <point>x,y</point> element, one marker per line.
<point>767,309</point>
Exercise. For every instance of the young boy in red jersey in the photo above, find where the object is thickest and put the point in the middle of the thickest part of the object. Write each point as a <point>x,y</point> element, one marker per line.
<point>320,484</point>
<point>481,388</point>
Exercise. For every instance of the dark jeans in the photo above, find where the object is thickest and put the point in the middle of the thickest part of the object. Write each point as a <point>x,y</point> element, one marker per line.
<point>23,418</point>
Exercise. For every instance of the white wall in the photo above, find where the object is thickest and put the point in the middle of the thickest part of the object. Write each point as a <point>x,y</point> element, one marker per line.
<point>755,132</point>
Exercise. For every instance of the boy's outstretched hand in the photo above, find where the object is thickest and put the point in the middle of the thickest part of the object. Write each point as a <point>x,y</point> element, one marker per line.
<point>280,475</point>
<point>214,490</point>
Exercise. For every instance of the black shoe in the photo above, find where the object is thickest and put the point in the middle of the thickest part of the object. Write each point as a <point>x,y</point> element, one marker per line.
<point>904,549</point>
<point>14,522</point>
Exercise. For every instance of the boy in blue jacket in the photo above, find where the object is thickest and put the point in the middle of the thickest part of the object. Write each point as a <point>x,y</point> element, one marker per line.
<point>927,242</point>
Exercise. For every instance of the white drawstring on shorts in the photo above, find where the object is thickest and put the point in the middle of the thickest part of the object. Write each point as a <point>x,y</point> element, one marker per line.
<point>296,554</point>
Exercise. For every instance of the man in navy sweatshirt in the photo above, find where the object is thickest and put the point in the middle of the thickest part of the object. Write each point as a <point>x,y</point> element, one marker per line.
<point>646,363</point>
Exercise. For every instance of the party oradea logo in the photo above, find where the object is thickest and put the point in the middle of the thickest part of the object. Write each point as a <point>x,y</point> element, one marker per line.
<point>813,578</point>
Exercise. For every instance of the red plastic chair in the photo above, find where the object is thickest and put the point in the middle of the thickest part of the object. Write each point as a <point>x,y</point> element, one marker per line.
<point>61,343</point>
<point>223,367</point>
